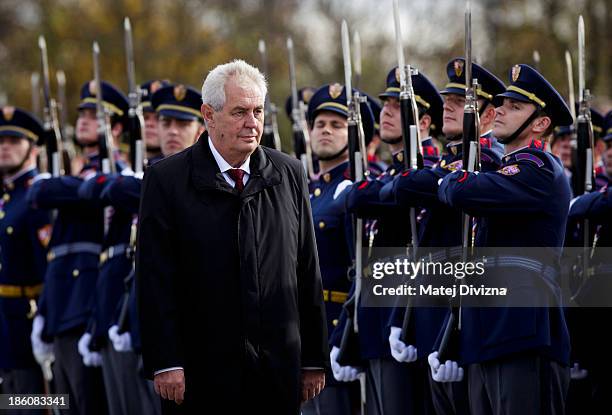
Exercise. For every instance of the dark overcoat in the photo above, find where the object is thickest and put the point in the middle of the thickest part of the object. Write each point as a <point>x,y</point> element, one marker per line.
<point>228,282</point>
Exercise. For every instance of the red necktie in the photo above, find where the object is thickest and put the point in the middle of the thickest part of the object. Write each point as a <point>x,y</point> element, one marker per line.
<point>237,176</point>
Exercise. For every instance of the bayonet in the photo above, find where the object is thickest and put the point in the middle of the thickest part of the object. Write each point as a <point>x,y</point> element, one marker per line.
<point>105,139</point>
<point>570,85</point>
<point>301,139</point>
<point>53,137</point>
<point>270,138</point>
<point>135,116</point>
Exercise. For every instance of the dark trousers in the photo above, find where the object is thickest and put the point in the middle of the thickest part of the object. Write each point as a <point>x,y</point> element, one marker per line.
<point>397,388</point>
<point>127,390</point>
<point>450,398</point>
<point>22,381</point>
<point>525,384</point>
<point>83,384</point>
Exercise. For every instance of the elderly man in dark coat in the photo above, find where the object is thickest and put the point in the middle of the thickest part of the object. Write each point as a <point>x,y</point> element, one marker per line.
<point>230,296</point>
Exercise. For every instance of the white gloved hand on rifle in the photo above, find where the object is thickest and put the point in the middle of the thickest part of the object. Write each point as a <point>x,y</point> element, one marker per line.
<point>342,373</point>
<point>121,342</point>
<point>42,350</point>
<point>448,371</point>
<point>399,350</point>
<point>92,359</point>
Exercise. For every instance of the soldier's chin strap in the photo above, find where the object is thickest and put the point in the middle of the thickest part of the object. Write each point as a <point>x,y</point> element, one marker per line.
<point>535,114</point>
<point>393,140</point>
<point>335,155</point>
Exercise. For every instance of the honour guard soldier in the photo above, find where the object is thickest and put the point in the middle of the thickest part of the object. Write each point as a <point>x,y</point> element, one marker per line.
<point>121,365</point>
<point>180,121</point>
<point>24,234</point>
<point>73,258</point>
<point>327,115</point>
<point>151,135</point>
<point>561,146</point>
<point>391,387</point>
<point>441,224</point>
<point>489,86</point>
<point>516,357</point>
<point>589,386</point>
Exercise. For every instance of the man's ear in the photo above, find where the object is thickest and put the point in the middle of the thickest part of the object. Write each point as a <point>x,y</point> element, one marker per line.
<point>117,130</point>
<point>541,124</point>
<point>425,122</point>
<point>207,112</point>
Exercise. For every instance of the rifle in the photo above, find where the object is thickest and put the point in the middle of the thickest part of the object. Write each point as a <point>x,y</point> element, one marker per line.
<point>301,138</point>
<point>135,117</point>
<point>66,130</point>
<point>413,152</point>
<point>471,163</point>
<point>105,138</point>
<point>42,159</point>
<point>52,135</point>
<point>584,171</point>
<point>270,137</point>
<point>358,165</point>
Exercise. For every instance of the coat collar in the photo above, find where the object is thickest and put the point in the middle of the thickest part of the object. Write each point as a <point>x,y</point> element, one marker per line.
<point>206,175</point>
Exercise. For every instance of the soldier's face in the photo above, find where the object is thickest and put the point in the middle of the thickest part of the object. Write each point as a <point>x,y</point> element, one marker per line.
<point>562,148</point>
<point>453,114</point>
<point>510,116</point>
<point>150,133</point>
<point>176,135</point>
<point>390,120</point>
<point>13,151</point>
<point>607,156</point>
<point>329,134</point>
<point>236,129</point>
<point>87,126</point>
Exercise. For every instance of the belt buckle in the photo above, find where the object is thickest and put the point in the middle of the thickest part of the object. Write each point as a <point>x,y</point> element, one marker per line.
<point>50,255</point>
<point>111,252</point>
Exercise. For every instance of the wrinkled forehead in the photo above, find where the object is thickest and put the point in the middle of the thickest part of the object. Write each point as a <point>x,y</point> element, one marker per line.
<point>243,92</point>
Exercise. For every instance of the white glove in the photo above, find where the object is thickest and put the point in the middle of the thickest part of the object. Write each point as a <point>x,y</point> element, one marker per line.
<point>447,372</point>
<point>89,358</point>
<point>41,176</point>
<point>577,373</point>
<point>121,342</point>
<point>341,373</point>
<point>399,350</point>
<point>42,351</point>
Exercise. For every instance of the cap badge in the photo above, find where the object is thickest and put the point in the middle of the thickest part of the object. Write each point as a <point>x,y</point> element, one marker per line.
<point>516,71</point>
<point>458,64</point>
<point>335,90</point>
<point>8,113</point>
<point>180,92</point>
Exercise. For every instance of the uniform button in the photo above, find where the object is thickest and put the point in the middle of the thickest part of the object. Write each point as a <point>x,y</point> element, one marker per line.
<point>400,157</point>
<point>6,197</point>
<point>327,177</point>
<point>2,214</point>
<point>9,230</point>
<point>75,273</point>
<point>10,186</point>
<point>392,172</point>
<point>321,225</point>
<point>317,192</point>
<point>335,322</point>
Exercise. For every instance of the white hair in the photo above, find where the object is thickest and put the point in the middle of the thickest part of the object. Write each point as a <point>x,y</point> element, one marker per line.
<point>213,89</point>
